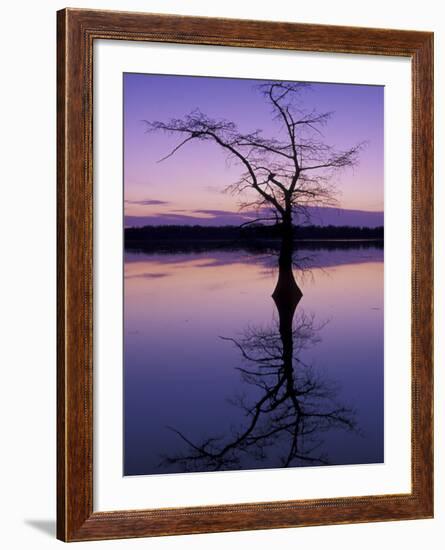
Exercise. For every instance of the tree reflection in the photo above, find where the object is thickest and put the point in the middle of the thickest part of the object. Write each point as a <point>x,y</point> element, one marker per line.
<point>288,406</point>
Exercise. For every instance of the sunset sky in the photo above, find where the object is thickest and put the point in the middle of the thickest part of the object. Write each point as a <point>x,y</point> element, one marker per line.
<point>188,187</point>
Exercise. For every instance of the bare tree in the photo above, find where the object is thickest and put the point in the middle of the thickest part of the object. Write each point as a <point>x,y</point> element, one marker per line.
<point>287,173</point>
<point>282,176</point>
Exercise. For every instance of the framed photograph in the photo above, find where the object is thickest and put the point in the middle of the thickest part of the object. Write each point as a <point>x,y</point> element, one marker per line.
<point>245,230</point>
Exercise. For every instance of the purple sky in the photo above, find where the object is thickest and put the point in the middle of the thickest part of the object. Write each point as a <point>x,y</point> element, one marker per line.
<point>188,187</point>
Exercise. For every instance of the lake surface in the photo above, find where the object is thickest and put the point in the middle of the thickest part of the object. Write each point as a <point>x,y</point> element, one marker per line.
<point>213,380</point>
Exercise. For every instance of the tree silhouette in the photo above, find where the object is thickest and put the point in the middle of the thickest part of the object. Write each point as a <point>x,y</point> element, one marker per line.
<point>283,175</point>
<point>287,173</point>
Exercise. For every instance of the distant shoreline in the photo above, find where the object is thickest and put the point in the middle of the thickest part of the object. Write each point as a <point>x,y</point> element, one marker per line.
<point>254,238</point>
<point>252,232</point>
<point>272,241</point>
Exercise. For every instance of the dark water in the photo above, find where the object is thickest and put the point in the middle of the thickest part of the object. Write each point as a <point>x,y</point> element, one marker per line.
<point>218,375</point>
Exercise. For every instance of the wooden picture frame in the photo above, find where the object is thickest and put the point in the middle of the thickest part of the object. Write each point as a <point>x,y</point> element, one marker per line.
<point>77,31</point>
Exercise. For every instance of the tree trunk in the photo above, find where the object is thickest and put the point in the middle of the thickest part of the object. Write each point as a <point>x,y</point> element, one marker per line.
<point>286,289</point>
<point>286,296</point>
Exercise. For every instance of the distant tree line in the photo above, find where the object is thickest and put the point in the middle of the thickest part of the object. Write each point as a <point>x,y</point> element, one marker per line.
<point>248,233</point>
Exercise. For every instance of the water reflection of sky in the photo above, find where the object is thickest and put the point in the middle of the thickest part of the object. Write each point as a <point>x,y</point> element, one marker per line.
<point>180,373</point>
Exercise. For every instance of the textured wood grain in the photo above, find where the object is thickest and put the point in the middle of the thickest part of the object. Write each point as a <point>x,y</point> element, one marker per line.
<point>77,30</point>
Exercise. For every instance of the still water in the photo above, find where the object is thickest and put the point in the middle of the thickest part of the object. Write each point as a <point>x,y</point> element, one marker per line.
<point>220,376</point>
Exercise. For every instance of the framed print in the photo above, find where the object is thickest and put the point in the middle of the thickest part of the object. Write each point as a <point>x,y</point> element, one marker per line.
<point>245,229</point>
